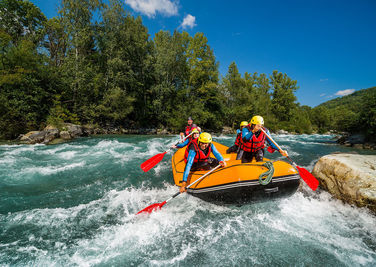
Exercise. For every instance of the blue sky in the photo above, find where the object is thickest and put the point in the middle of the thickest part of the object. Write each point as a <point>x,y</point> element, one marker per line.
<point>329,46</point>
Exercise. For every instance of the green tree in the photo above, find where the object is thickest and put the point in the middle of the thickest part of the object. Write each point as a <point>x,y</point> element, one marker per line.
<point>283,101</point>
<point>21,19</point>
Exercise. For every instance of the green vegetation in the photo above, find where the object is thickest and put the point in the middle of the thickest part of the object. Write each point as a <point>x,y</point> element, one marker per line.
<point>355,113</point>
<point>105,69</point>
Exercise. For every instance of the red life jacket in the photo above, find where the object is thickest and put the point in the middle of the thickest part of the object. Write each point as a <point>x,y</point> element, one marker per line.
<point>201,156</point>
<point>189,128</point>
<point>239,139</point>
<point>255,143</point>
<point>191,140</point>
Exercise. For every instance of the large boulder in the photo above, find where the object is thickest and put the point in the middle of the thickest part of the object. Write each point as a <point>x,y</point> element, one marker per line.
<point>65,135</point>
<point>73,129</point>
<point>282,132</point>
<point>37,137</point>
<point>51,132</point>
<point>227,130</point>
<point>26,137</point>
<point>350,177</point>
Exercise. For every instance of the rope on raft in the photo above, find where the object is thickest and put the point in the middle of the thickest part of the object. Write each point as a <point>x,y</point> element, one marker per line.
<point>268,175</point>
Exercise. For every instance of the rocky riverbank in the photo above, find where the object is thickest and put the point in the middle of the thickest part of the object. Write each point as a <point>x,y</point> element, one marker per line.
<point>68,131</point>
<point>355,140</point>
<point>349,177</point>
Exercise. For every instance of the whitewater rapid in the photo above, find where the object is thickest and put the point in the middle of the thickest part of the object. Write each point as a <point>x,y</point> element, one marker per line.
<point>74,204</point>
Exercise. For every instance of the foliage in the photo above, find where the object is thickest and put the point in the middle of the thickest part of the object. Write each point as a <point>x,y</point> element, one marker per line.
<point>95,63</point>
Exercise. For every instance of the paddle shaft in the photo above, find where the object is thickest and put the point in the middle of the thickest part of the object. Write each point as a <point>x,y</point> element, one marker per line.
<point>310,180</point>
<point>271,139</point>
<point>199,179</point>
<point>180,141</point>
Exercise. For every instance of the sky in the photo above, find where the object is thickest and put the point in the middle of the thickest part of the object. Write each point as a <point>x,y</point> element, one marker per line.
<point>328,46</point>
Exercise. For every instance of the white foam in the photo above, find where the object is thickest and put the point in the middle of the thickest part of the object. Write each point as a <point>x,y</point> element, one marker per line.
<point>52,169</point>
<point>67,154</point>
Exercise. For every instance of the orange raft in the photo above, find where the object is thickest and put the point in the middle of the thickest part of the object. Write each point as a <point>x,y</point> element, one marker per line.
<point>237,183</point>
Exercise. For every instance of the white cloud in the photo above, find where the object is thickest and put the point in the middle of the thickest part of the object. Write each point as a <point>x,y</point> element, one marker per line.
<point>322,95</point>
<point>151,7</point>
<point>188,22</point>
<point>345,92</point>
<point>324,80</point>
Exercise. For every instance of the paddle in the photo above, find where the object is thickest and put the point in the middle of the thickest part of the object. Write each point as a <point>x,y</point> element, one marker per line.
<point>158,206</point>
<point>310,180</point>
<point>150,163</point>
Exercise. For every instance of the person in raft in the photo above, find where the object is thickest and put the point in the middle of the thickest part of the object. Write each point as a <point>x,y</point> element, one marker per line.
<point>238,141</point>
<point>198,157</point>
<point>189,140</point>
<point>254,141</point>
<point>189,128</point>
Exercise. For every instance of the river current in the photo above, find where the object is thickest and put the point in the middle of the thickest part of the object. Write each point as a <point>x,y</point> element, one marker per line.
<point>73,204</point>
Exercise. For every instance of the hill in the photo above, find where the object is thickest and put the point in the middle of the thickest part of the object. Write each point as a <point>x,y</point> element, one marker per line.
<point>352,100</point>
<point>355,113</point>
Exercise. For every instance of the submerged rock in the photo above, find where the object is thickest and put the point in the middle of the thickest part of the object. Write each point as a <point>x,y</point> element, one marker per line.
<point>349,177</point>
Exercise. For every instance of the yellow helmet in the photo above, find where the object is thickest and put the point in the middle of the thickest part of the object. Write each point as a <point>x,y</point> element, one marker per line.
<point>257,120</point>
<point>243,123</point>
<point>195,131</point>
<point>205,138</point>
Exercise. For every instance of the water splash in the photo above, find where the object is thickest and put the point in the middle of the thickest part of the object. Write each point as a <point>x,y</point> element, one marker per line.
<point>77,205</point>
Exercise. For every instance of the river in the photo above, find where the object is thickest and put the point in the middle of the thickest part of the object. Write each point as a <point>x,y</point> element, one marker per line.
<point>73,204</point>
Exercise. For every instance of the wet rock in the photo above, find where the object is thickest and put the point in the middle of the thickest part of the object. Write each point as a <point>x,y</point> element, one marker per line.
<point>162,131</point>
<point>282,132</point>
<point>65,135</point>
<point>73,129</point>
<point>88,130</point>
<point>358,146</point>
<point>37,137</point>
<point>349,177</point>
<point>356,138</point>
<point>227,130</point>
<point>26,137</point>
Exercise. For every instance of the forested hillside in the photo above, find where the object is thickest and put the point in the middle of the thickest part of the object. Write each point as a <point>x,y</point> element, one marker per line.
<point>352,113</point>
<point>96,64</point>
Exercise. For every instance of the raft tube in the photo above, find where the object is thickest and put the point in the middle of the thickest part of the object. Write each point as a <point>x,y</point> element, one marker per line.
<point>237,183</point>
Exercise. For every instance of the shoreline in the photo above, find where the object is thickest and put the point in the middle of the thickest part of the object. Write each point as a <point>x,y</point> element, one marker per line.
<point>51,135</point>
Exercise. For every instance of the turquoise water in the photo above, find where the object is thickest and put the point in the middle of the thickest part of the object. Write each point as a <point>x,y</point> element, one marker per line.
<point>73,204</point>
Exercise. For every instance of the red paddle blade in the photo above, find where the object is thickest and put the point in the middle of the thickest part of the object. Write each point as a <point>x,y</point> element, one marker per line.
<point>150,163</point>
<point>310,180</point>
<point>151,208</point>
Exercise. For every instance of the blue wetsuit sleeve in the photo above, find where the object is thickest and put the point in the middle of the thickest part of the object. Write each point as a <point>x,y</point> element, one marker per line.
<point>270,142</point>
<point>216,154</point>
<point>246,134</point>
<point>191,157</point>
<point>183,144</point>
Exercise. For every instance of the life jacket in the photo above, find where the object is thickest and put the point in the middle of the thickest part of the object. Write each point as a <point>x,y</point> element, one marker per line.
<point>191,140</point>
<point>189,128</point>
<point>239,140</point>
<point>201,155</point>
<point>255,143</point>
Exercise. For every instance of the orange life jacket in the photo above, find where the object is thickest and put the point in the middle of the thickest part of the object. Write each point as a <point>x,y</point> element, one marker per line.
<point>255,143</point>
<point>201,155</point>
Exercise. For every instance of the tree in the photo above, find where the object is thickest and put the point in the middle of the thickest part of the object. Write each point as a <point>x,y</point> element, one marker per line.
<point>21,20</point>
<point>170,74</point>
<point>283,101</point>
<point>126,60</point>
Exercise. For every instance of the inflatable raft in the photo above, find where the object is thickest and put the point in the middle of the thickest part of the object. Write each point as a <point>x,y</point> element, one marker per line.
<point>237,183</point>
